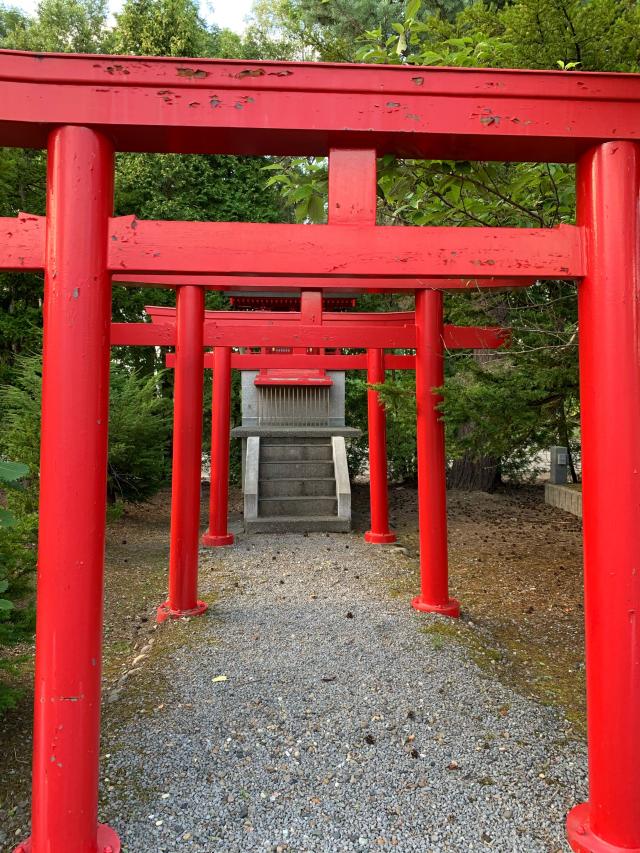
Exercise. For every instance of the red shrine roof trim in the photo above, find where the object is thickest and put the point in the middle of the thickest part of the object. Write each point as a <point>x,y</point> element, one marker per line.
<point>286,302</point>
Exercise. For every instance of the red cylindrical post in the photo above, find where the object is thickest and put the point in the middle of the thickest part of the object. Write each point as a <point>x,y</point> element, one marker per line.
<point>608,299</point>
<point>432,485</point>
<point>73,472</point>
<point>379,533</point>
<point>187,457</point>
<point>217,534</point>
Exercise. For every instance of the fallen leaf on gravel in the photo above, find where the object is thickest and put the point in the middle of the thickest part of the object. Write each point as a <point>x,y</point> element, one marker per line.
<point>329,678</point>
<point>217,678</point>
<point>453,766</point>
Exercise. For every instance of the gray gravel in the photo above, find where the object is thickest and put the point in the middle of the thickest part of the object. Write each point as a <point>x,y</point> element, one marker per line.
<point>340,725</point>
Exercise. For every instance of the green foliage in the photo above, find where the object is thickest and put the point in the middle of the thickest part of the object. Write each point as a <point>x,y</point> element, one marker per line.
<point>67,26</point>
<point>20,437</point>
<point>303,184</point>
<point>10,473</point>
<point>398,396</point>
<point>22,188</point>
<point>329,30</point>
<point>139,427</point>
<point>17,563</point>
<point>161,28</point>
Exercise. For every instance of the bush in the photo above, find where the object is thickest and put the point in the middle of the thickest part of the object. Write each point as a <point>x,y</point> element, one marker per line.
<point>139,430</point>
<point>17,564</point>
<point>398,396</point>
<point>139,433</point>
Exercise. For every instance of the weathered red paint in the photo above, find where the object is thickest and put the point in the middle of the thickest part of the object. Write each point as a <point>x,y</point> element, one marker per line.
<point>608,192</point>
<point>217,533</point>
<point>432,486</point>
<point>187,459</point>
<point>379,533</point>
<point>22,242</point>
<point>227,107</point>
<point>75,403</point>
<point>352,186</point>
<point>240,327</point>
<point>369,251</point>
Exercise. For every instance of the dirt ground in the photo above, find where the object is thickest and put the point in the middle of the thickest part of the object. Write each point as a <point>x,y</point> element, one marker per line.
<point>515,566</point>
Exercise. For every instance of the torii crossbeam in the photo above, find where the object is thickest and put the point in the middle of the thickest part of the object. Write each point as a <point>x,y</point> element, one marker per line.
<point>83,108</point>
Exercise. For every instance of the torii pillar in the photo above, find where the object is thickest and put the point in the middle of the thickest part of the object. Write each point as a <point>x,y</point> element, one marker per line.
<point>609,317</point>
<point>217,533</point>
<point>432,485</point>
<point>379,533</point>
<point>187,457</point>
<point>73,471</point>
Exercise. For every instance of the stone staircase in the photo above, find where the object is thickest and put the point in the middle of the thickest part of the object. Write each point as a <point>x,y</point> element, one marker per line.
<point>296,485</point>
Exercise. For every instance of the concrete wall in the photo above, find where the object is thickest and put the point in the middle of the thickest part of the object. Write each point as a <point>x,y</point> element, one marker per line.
<point>563,497</point>
<point>249,398</point>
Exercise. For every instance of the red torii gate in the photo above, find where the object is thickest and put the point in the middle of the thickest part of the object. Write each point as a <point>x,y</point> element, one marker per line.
<point>82,108</point>
<point>174,326</point>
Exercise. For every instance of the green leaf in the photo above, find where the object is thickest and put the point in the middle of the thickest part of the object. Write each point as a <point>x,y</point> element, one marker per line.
<point>413,8</point>
<point>5,604</point>
<point>316,208</point>
<point>301,192</point>
<point>278,179</point>
<point>301,209</point>
<point>7,518</point>
<point>12,471</point>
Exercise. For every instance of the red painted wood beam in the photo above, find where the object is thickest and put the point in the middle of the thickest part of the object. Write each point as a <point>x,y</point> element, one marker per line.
<point>279,361</point>
<point>166,315</point>
<point>142,335</point>
<point>226,107</point>
<point>455,337</point>
<point>295,335</point>
<point>22,241</point>
<point>241,248</point>
<point>266,282</point>
<point>354,335</point>
<point>22,249</point>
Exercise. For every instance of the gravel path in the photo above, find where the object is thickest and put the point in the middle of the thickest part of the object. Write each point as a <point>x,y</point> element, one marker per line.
<point>340,725</point>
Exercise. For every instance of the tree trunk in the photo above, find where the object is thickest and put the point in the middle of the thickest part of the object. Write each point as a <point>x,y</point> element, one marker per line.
<point>474,474</point>
<point>468,473</point>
